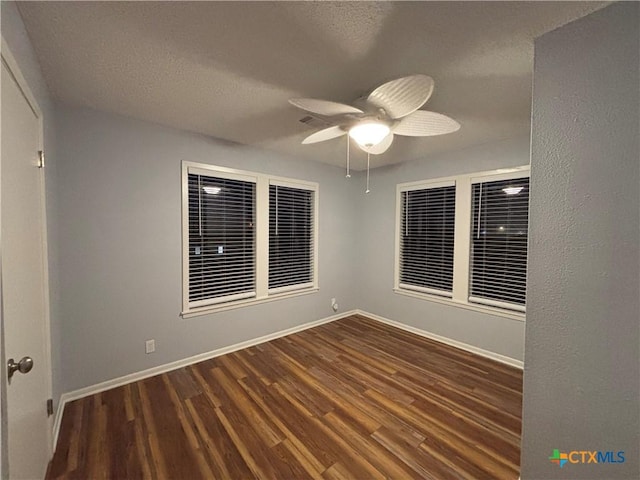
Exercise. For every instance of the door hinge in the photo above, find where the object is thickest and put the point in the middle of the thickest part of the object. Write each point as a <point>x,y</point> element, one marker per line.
<point>40,159</point>
<point>50,407</point>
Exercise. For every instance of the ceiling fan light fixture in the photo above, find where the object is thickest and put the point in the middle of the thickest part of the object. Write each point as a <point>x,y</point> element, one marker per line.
<point>391,109</point>
<point>368,134</point>
<point>512,190</point>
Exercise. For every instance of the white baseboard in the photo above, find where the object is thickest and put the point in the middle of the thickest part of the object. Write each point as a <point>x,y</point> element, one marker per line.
<point>438,338</point>
<point>167,367</point>
<point>134,377</point>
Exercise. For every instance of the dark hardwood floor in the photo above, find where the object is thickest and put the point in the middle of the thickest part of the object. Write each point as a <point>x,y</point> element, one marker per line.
<point>351,399</point>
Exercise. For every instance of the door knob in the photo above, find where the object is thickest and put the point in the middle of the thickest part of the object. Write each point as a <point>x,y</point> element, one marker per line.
<point>23,366</point>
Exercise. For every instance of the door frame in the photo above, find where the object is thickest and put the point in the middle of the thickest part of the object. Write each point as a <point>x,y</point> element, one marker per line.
<point>12,65</point>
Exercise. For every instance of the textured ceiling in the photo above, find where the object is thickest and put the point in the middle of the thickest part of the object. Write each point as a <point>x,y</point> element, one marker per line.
<point>226,69</point>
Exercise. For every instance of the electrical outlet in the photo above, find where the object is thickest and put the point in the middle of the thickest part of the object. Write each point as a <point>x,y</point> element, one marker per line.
<point>334,304</point>
<point>333,300</point>
<point>150,346</point>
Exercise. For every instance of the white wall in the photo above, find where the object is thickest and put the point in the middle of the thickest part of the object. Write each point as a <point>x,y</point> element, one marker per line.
<point>581,379</point>
<point>120,238</point>
<point>14,33</point>
<point>376,240</point>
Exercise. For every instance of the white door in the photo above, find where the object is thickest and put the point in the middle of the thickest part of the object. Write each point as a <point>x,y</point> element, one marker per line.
<point>24,289</point>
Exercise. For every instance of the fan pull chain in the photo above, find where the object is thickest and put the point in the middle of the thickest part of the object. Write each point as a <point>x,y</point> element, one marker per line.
<point>406,214</point>
<point>368,158</point>
<point>199,207</point>
<point>479,208</point>
<point>348,172</point>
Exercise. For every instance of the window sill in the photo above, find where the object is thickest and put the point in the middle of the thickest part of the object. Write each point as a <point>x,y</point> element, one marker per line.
<point>468,306</point>
<point>222,307</point>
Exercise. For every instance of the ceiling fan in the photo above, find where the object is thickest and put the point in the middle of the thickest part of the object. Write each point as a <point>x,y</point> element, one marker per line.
<point>391,109</point>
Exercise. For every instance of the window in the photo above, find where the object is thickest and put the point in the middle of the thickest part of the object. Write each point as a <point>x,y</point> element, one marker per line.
<point>465,238</point>
<point>221,239</point>
<point>500,212</point>
<point>426,239</point>
<point>290,237</point>
<point>247,237</point>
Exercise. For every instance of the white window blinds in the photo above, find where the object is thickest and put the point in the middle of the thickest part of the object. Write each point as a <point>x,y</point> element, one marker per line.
<point>221,239</point>
<point>427,220</point>
<point>291,237</point>
<point>500,212</point>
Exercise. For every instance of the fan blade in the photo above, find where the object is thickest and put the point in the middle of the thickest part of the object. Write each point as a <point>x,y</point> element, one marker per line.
<point>325,134</point>
<point>402,96</point>
<point>323,107</point>
<point>425,124</point>
<point>382,147</point>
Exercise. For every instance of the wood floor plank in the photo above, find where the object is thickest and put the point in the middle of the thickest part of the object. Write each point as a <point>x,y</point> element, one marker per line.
<point>72,457</point>
<point>362,409</point>
<point>268,432</point>
<point>293,469</point>
<point>66,457</point>
<point>298,448</point>
<point>120,433</point>
<point>168,440</point>
<point>98,460</point>
<point>149,469</point>
<point>316,404</point>
<point>303,459</point>
<point>183,383</point>
<point>249,362</point>
<point>226,459</point>
<point>188,427</point>
<point>405,453</point>
<point>354,398</point>
<point>253,464</point>
<point>355,463</point>
<point>336,472</point>
<point>387,464</point>
<point>437,424</point>
<point>233,366</point>
<point>372,380</point>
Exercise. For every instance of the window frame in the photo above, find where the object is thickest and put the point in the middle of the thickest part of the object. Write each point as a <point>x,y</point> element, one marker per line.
<point>409,188</point>
<point>210,302</point>
<point>482,300</point>
<point>278,182</point>
<point>261,208</point>
<point>462,239</point>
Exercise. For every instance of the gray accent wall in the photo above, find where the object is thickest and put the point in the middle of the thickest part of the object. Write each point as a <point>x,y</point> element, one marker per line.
<point>376,219</point>
<point>120,263</point>
<point>120,237</point>
<point>582,370</point>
